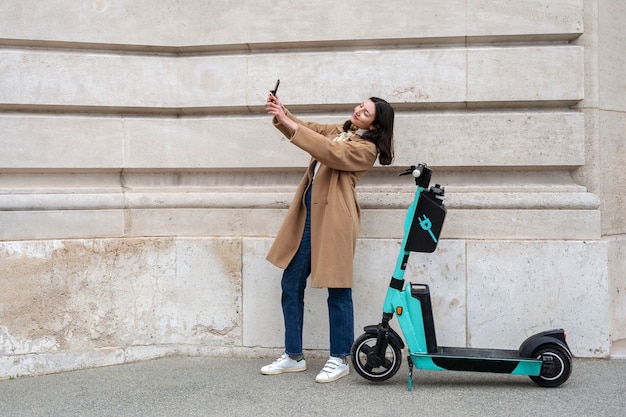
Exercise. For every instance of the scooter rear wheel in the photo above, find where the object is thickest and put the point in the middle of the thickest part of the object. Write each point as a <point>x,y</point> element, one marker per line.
<point>556,367</point>
<point>371,367</point>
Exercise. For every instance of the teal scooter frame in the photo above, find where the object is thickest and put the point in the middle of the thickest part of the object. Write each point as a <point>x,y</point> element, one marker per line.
<point>376,355</point>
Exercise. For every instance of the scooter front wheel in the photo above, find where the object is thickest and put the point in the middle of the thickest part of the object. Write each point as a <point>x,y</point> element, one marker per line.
<point>369,365</point>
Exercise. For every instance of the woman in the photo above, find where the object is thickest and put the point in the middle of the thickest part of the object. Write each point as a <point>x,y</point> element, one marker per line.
<point>318,234</point>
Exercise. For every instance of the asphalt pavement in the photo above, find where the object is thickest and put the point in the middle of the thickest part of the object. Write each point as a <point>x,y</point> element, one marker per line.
<point>201,386</point>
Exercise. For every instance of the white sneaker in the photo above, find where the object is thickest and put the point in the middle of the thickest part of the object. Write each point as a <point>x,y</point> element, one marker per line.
<point>284,364</point>
<point>333,370</point>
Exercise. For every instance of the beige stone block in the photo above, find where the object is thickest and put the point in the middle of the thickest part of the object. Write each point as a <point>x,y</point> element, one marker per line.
<point>531,198</point>
<point>589,174</point>
<point>198,23</point>
<point>211,313</point>
<point>208,143</point>
<point>533,73</point>
<point>383,223</point>
<point>538,19</point>
<point>401,76</point>
<point>523,224</point>
<point>61,296</point>
<point>131,23</point>
<point>590,41</point>
<point>203,222</point>
<point>612,154</point>
<point>46,78</point>
<point>611,62</point>
<point>60,224</point>
<point>42,181</point>
<point>617,289</point>
<point>443,271</point>
<point>516,289</point>
<point>475,139</point>
<point>491,139</point>
<point>213,181</point>
<point>515,224</point>
<point>61,141</point>
<point>49,202</point>
<point>328,20</point>
<point>262,315</point>
<point>243,199</point>
<point>52,78</point>
<point>84,142</point>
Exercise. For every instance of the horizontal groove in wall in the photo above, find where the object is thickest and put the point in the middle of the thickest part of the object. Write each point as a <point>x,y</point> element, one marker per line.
<point>129,111</point>
<point>329,110</point>
<point>313,109</point>
<point>378,180</point>
<point>248,175</point>
<point>499,224</point>
<point>291,47</point>
<point>257,176</point>
<point>247,199</point>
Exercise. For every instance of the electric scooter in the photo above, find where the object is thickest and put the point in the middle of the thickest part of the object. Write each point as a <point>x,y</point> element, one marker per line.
<point>376,355</point>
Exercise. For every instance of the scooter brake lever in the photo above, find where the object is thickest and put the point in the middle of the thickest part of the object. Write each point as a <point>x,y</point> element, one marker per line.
<point>408,171</point>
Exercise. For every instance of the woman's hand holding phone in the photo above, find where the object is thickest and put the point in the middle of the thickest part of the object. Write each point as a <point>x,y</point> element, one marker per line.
<point>274,107</point>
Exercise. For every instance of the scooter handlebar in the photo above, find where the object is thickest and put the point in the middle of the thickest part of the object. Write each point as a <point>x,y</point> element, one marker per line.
<point>416,171</point>
<point>419,173</point>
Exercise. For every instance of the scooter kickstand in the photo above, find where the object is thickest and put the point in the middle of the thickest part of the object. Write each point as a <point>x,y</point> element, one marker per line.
<point>410,381</point>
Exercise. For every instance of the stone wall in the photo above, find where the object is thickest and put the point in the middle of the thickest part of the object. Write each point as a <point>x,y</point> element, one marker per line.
<point>605,119</point>
<point>141,183</point>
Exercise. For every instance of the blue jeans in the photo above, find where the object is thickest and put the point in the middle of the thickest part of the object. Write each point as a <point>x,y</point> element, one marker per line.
<point>293,284</point>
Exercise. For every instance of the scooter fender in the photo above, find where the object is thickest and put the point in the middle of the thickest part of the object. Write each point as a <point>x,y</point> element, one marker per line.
<point>392,337</point>
<point>554,337</point>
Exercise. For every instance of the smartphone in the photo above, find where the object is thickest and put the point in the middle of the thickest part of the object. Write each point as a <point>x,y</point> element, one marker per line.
<point>275,90</point>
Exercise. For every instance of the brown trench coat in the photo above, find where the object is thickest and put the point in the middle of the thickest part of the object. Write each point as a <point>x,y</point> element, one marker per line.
<point>335,212</point>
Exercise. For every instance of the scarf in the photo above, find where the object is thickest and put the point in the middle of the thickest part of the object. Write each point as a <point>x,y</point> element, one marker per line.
<point>351,132</point>
<point>343,136</point>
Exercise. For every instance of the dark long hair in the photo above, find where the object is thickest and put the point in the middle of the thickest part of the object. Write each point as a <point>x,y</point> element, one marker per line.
<point>382,134</point>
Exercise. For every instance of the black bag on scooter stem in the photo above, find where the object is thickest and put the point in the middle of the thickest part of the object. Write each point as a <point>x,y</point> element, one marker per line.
<point>427,221</point>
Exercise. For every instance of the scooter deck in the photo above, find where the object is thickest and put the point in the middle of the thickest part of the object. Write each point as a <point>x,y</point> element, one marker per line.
<point>477,360</point>
<point>477,353</point>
